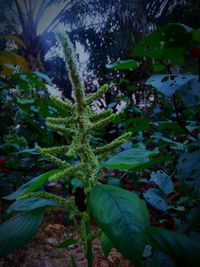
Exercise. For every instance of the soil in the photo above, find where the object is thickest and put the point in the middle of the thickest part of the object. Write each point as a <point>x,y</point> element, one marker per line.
<point>41,250</point>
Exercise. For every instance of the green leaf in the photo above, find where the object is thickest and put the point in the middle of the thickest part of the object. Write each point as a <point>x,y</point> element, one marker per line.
<point>163,260</point>
<point>123,217</point>
<point>173,144</point>
<point>106,245</point>
<point>163,180</point>
<point>24,101</point>
<point>196,35</point>
<point>154,161</point>
<point>171,127</point>
<point>188,167</point>
<point>151,262</point>
<point>190,93</point>
<point>75,182</point>
<point>114,181</point>
<point>18,230</point>
<point>137,124</point>
<point>67,243</point>
<point>31,185</point>
<point>43,76</point>
<point>191,220</point>
<point>129,159</point>
<point>153,197</point>
<point>168,84</point>
<point>166,43</point>
<point>123,65</point>
<point>184,250</point>
<point>157,67</point>
<point>30,204</point>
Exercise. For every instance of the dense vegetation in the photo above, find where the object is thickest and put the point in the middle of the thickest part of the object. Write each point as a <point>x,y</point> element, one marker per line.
<point>132,169</point>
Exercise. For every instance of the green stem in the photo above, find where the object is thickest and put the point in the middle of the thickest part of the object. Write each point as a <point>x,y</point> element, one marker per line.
<point>89,253</point>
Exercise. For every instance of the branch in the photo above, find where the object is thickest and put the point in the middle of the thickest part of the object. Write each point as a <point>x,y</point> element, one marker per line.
<point>74,74</point>
<point>65,121</point>
<point>101,115</point>
<point>67,171</point>
<point>61,129</point>
<point>69,204</point>
<point>52,158</point>
<point>113,145</point>
<point>95,96</point>
<point>66,105</point>
<point>103,122</point>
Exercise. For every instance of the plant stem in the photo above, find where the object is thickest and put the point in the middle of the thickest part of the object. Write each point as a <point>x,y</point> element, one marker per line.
<point>89,240</point>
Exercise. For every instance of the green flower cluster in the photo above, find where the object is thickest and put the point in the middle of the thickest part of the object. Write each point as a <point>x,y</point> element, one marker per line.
<point>69,204</point>
<point>80,123</point>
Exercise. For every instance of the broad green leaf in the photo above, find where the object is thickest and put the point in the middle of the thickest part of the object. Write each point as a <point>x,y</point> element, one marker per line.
<point>166,43</point>
<point>114,181</point>
<point>153,197</point>
<point>163,260</point>
<point>190,93</point>
<point>196,35</point>
<point>151,262</point>
<point>157,67</point>
<point>137,124</point>
<point>171,127</point>
<point>30,204</point>
<point>163,180</point>
<point>173,144</point>
<point>154,161</point>
<point>123,217</point>
<point>168,84</point>
<point>189,168</point>
<point>18,230</point>
<point>31,185</point>
<point>123,65</point>
<point>106,245</point>
<point>184,250</point>
<point>129,159</point>
<point>191,220</point>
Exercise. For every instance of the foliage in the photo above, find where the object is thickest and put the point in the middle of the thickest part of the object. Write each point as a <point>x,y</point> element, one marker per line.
<point>23,226</point>
<point>175,110</point>
<point>158,166</point>
<point>25,104</point>
<point>82,123</point>
<point>122,216</point>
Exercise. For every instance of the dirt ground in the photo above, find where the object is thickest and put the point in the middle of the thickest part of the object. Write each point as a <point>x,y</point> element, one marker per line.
<point>41,250</point>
